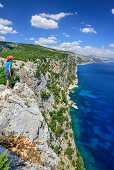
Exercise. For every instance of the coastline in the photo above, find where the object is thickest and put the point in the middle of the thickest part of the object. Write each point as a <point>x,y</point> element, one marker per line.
<point>83,119</point>
<point>80,161</point>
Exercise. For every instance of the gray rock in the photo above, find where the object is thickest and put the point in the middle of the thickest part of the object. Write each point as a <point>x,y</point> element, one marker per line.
<point>20,114</point>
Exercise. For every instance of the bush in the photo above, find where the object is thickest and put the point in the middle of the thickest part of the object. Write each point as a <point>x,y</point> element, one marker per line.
<point>57,150</point>
<point>66,136</point>
<point>64,98</point>
<point>58,131</point>
<point>4,164</point>
<point>52,125</point>
<point>71,135</point>
<point>18,78</point>
<point>69,151</point>
<point>22,65</point>
<point>73,163</point>
<point>37,73</point>
<point>49,85</point>
<point>44,94</point>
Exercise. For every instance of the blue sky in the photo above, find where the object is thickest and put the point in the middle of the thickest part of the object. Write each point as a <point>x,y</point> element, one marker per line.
<point>81,26</point>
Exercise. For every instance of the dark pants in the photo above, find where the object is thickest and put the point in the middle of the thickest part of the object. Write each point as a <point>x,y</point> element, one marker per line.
<point>6,72</point>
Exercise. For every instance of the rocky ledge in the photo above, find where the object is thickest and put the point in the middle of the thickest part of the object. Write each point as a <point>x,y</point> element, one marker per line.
<point>23,130</point>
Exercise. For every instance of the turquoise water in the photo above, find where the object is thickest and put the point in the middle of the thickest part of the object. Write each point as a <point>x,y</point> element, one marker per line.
<point>93,122</point>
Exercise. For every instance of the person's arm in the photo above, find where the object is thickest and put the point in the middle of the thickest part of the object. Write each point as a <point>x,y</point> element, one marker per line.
<point>10,70</point>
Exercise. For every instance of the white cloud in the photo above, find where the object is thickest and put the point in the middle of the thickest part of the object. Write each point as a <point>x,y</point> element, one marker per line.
<point>43,41</point>
<point>69,45</point>
<point>1,5</point>
<point>88,30</point>
<point>65,35</point>
<point>5,22</point>
<point>87,50</point>
<point>2,38</point>
<point>111,45</point>
<point>48,21</point>
<point>80,41</point>
<point>5,30</point>
<point>55,16</point>
<point>32,39</point>
<point>41,22</point>
<point>4,26</point>
<point>52,38</point>
<point>113,11</point>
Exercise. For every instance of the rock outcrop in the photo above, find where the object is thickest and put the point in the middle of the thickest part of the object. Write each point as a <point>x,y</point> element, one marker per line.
<point>20,115</point>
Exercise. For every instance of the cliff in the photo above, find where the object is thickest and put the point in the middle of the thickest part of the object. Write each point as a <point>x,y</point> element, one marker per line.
<point>35,124</point>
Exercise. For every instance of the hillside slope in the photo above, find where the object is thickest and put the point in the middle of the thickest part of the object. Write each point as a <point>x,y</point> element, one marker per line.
<point>32,52</point>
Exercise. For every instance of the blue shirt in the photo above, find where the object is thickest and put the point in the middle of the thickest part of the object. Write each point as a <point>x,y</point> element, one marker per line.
<point>9,63</point>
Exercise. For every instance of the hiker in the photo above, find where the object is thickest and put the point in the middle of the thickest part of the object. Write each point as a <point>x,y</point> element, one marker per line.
<point>8,72</point>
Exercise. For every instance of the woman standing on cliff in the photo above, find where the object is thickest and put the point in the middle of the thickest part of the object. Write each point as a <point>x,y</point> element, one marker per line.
<point>8,72</point>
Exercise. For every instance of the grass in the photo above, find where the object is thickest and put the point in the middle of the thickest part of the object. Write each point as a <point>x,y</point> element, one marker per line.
<point>4,164</point>
<point>3,78</point>
<point>29,52</point>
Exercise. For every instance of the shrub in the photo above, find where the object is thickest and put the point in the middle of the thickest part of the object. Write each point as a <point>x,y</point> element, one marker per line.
<point>56,99</point>
<point>4,164</point>
<point>69,144</point>
<point>44,94</point>
<point>58,131</point>
<point>52,125</point>
<point>69,151</point>
<point>57,150</point>
<point>66,136</point>
<point>71,135</point>
<point>73,163</point>
<point>49,85</point>
<point>64,98</point>
<point>37,73</point>
<point>18,78</point>
<point>22,65</point>
<point>43,114</point>
<point>67,125</point>
<point>26,103</point>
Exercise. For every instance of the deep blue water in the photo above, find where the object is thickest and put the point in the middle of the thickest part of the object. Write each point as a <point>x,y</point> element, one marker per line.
<point>93,122</point>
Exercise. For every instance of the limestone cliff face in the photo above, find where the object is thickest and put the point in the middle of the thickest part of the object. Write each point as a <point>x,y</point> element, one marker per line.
<point>20,116</point>
<point>35,114</point>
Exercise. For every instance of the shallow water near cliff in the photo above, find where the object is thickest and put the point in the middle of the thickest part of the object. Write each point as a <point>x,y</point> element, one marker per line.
<point>93,122</point>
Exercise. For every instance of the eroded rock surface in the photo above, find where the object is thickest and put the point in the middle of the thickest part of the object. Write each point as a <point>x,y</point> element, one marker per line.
<point>20,115</point>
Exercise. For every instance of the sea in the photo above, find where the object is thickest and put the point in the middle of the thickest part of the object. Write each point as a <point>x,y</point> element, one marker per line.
<point>93,122</point>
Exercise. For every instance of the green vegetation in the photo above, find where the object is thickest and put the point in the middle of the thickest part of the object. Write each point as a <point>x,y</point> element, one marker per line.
<point>3,78</point>
<point>57,150</point>
<point>4,164</point>
<point>66,136</point>
<point>58,131</point>
<point>80,163</point>
<point>29,52</point>
<point>69,151</point>
<point>52,125</point>
<point>22,65</point>
<point>64,98</point>
<point>73,163</point>
<point>26,103</point>
<point>53,88</point>
<point>71,135</point>
<point>44,94</point>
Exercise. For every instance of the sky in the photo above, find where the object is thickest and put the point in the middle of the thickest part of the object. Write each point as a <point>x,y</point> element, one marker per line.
<point>81,26</point>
